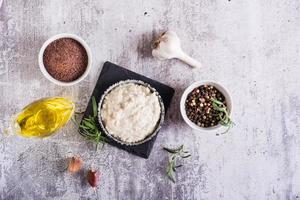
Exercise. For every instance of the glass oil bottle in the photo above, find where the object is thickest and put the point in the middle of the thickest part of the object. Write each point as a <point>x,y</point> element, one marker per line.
<point>44,117</point>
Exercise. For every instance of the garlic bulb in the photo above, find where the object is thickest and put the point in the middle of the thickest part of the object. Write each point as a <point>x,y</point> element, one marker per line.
<point>168,46</point>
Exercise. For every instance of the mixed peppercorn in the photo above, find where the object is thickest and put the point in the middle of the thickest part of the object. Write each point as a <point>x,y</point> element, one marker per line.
<point>199,108</point>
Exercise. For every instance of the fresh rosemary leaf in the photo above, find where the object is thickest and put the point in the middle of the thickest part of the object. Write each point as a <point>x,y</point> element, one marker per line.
<point>172,176</point>
<point>172,166</point>
<point>83,127</point>
<point>169,150</point>
<point>88,124</point>
<point>88,133</point>
<point>88,127</point>
<point>176,150</point>
<point>94,106</point>
<point>225,119</point>
<point>89,120</point>
<point>186,156</point>
<point>215,101</point>
<point>170,171</point>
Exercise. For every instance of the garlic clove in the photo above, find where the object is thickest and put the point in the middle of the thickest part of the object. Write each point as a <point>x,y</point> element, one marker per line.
<point>93,178</point>
<point>75,164</point>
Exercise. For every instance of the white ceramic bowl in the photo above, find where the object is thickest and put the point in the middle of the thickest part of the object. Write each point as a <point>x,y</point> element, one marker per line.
<point>59,36</point>
<point>186,93</point>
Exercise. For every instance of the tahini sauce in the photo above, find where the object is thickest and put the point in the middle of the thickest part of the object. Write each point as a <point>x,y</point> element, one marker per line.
<point>130,112</point>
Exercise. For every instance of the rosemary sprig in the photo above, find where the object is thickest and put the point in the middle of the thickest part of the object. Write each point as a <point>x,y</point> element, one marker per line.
<point>88,127</point>
<point>176,153</point>
<point>223,114</point>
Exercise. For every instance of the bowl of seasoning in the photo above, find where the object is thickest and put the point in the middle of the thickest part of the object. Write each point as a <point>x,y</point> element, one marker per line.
<point>206,106</point>
<point>65,59</point>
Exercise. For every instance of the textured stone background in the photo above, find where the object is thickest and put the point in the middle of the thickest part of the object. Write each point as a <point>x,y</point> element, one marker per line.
<point>251,47</point>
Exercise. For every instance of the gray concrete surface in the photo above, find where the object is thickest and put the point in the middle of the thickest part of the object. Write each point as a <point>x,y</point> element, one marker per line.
<point>251,47</point>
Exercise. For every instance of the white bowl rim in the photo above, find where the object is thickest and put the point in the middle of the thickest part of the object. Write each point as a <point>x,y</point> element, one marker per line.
<point>59,36</point>
<point>221,88</point>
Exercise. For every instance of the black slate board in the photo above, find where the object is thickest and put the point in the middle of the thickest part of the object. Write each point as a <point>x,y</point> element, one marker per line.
<point>111,74</point>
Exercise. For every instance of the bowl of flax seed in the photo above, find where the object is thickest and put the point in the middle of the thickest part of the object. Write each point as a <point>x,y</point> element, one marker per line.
<point>65,59</point>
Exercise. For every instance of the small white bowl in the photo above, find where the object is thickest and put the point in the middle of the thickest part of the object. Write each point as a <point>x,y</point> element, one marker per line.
<point>59,36</point>
<point>190,89</point>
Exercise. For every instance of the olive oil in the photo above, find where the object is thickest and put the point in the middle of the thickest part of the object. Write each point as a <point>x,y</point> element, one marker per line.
<point>44,117</point>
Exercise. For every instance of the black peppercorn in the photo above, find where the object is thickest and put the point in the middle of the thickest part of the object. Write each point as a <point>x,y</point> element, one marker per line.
<point>199,107</point>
